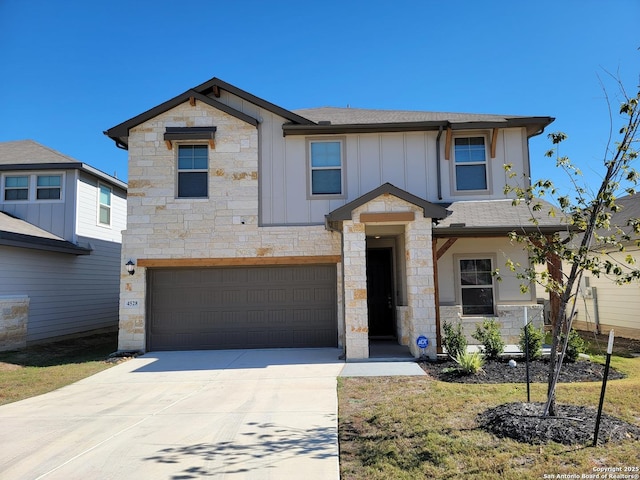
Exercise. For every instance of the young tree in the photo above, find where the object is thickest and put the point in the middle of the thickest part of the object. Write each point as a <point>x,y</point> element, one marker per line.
<point>589,230</point>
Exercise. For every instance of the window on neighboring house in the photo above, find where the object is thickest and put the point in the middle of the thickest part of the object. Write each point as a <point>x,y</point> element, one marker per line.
<point>470,157</point>
<point>16,188</point>
<point>193,171</point>
<point>476,284</point>
<point>104,207</point>
<point>326,167</point>
<point>48,187</point>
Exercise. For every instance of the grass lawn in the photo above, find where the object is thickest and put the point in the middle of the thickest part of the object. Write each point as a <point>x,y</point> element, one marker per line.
<point>43,368</point>
<point>408,428</point>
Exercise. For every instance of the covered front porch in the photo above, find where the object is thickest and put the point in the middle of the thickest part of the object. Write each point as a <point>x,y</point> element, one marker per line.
<point>389,286</point>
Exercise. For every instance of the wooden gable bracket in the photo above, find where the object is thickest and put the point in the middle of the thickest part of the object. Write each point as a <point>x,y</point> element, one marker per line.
<point>494,141</point>
<point>443,249</point>
<point>216,91</point>
<point>192,101</point>
<point>447,144</point>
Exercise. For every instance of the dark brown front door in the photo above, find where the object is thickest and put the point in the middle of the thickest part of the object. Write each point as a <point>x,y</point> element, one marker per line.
<point>380,296</point>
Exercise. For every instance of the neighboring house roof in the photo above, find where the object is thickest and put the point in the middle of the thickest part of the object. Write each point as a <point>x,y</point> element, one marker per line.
<point>430,210</point>
<point>497,217</point>
<point>630,210</point>
<point>15,232</point>
<point>31,155</point>
<point>331,120</point>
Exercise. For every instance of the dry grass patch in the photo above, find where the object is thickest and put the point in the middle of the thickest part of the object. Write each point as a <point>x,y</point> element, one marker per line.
<point>42,368</point>
<point>416,427</point>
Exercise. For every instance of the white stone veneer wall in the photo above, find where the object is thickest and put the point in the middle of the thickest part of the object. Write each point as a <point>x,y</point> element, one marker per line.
<point>14,319</point>
<point>225,225</point>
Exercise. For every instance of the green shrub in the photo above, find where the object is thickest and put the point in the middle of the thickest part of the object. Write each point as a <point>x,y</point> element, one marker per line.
<point>488,334</point>
<point>536,337</point>
<point>454,340</point>
<point>575,347</point>
<point>469,363</point>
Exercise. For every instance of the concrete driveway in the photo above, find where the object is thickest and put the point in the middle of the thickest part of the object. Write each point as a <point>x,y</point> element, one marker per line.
<point>230,414</point>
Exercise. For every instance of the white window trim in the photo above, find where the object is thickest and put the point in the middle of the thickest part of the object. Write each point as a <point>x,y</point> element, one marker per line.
<point>343,174</point>
<point>33,186</point>
<point>176,148</point>
<point>3,187</point>
<point>487,163</point>
<point>99,205</point>
<point>458,281</point>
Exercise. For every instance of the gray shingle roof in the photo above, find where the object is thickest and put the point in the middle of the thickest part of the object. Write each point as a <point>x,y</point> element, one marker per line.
<point>31,155</point>
<point>497,216</point>
<point>9,223</point>
<point>18,233</point>
<point>348,116</point>
<point>29,152</point>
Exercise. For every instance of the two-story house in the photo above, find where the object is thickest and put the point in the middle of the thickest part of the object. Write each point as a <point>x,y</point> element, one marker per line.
<point>60,239</point>
<point>252,226</point>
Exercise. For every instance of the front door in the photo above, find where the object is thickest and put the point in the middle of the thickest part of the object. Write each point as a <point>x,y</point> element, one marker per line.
<point>380,295</point>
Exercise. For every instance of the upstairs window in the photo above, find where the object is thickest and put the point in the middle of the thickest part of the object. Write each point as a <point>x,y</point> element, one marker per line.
<point>104,205</point>
<point>48,187</point>
<point>16,188</point>
<point>476,285</point>
<point>193,171</point>
<point>470,156</point>
<point>326,167</point>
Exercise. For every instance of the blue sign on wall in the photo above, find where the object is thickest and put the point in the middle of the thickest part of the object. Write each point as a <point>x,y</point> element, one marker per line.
<point>422,341</point>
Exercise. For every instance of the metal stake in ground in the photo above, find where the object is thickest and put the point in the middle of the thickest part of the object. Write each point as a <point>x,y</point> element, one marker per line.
<point>604,387</point>
<point>526,354</point>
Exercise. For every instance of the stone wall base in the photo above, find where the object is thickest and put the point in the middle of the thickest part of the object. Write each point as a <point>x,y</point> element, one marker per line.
<point>14,318</point>
<point>509,317</point>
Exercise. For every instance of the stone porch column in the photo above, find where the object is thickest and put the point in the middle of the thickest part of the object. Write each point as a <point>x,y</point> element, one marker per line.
<point>355,291</point>
<point>421,299</point>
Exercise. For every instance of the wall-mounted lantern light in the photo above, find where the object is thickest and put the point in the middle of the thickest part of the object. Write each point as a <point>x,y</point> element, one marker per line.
<point>130,267</point>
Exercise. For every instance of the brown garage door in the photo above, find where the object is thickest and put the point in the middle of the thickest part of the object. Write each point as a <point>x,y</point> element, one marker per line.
<point>242,307</point>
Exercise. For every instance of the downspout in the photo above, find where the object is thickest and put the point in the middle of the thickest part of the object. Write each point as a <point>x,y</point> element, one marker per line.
<point>438,162</point>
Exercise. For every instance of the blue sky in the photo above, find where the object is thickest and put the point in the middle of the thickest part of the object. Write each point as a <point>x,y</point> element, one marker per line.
<point>74,68</point>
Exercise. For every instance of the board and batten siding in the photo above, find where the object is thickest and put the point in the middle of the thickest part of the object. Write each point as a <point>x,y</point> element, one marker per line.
<point>406,160</point>
<point>500,250</point>
<point>618,305</point>
<point>88,201</point>
<point>68,294</point>
<point>55,216</point>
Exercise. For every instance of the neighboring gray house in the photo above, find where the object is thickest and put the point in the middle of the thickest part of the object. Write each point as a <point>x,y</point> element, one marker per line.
<point>252,226</point>
<point>602,304</point>
<point>60,240</point>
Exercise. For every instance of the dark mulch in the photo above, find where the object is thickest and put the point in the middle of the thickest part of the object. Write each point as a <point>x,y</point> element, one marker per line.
<point>501,372</point>
<point>573,425</point>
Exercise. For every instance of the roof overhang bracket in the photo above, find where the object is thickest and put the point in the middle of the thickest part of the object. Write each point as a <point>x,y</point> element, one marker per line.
<point>494,142</point>
<point>443,249</point>
<point>447,144</point>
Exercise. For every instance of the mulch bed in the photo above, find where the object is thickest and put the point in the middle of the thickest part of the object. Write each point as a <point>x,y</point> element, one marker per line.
<point>573,425</point>
<point>501,372</point>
